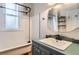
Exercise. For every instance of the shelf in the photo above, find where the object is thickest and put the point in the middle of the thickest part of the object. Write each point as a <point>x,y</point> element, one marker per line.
<point>61,25</point>
<point>61,17</point>
<point>62,21</point>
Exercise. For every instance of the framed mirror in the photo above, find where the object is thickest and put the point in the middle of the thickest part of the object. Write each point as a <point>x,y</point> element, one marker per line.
<point>63,18</point>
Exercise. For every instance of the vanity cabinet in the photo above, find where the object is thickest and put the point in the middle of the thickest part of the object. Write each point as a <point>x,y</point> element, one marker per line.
<point>39,49</point>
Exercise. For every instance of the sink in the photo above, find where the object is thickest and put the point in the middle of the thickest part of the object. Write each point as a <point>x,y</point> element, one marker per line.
<point>60,44</point>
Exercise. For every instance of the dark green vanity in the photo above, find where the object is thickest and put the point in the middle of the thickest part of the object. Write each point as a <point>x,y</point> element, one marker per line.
<point>39,48</point>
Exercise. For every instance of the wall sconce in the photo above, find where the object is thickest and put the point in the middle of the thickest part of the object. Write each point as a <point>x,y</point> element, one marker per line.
<point>43,18</point>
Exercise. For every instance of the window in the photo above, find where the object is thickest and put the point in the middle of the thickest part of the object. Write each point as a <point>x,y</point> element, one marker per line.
<point>11,22</point>
<point>11,17</point>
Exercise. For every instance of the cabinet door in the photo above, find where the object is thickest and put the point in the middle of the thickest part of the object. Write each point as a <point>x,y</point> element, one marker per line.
<point>43,51</point>
<point>35,50</point>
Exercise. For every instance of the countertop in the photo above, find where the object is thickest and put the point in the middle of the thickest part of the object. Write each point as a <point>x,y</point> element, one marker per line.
<point>73,49</point>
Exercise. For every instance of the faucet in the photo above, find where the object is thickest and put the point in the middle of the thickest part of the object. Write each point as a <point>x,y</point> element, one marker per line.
<point>58,37</point>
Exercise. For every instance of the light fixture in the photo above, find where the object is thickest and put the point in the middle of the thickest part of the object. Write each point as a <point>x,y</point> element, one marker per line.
<point>56,5</point>
<point>51,4</point>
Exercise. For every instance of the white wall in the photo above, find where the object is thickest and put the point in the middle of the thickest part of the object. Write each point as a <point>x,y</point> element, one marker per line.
<point>16,38</point>
<point>41,11</point>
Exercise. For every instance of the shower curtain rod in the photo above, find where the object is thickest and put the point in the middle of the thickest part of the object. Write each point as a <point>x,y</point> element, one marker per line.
<point>27,8</point>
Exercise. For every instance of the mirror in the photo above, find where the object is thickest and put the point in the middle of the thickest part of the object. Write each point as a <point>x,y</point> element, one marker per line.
<point>63,18</point>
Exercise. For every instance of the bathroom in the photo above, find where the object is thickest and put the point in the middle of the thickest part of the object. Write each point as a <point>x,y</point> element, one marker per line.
<point>56,29</point>
<point>39,28</point>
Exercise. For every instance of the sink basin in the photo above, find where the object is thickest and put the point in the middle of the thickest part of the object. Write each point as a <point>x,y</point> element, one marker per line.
<point>60,44</point>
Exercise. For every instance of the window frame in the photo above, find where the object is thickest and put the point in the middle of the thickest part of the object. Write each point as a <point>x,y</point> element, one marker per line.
<point>12,15</point>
